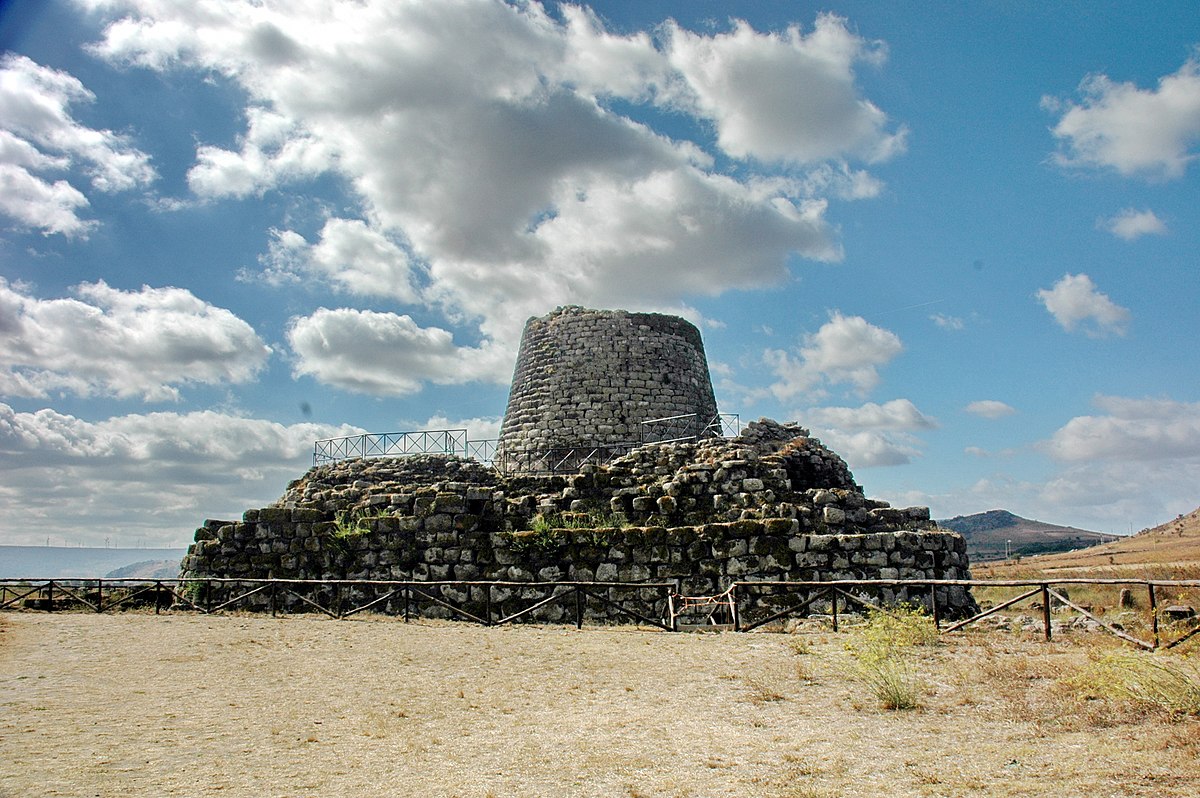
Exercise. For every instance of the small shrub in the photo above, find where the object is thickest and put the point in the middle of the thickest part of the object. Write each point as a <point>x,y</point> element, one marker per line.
<point>539,540</point>
<point>882,649</point>
<point>892,681</point>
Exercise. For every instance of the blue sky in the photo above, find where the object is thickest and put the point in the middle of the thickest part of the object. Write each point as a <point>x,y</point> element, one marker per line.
<point>957,241</point>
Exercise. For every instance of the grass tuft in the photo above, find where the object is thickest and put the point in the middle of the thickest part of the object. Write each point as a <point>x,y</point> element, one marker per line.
<point>883,652</point>
<point>1148,680</point>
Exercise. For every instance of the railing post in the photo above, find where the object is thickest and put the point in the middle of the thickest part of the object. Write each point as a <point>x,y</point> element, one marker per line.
<point>157,596</point>
<point>50,596</point>
<point>578,606</point>
<point>733,608</point>
<point>933,605</point>
<point>1153,613</point>
<point>208,597</point>
<point>272,598</point>
<point>99,595</point>
<point>487,603</point>
<point>833,606</point>
<point>407,600</point>
<point>1046,609</point>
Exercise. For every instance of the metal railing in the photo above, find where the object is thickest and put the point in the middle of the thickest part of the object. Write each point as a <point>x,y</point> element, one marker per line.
<point>391,444</point>
<point>551,460</point>
<point>689,427</point>
<point>559,459</point>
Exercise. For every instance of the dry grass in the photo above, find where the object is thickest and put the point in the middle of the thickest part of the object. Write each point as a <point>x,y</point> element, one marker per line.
<point>249,706</point>
<point>1168,551</point>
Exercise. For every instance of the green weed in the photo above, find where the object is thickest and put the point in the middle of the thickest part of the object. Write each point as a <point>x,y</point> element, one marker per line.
<point>883,655</point>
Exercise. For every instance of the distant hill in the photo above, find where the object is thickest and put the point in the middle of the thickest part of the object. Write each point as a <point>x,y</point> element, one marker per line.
<point>62,562</point>
<point>147,569</point>
<point>988,534</point>
<point>1167,551</point>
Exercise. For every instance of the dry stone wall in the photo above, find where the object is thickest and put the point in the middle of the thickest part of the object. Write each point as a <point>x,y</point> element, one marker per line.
<point>590,377</point>
<point>772,504</point>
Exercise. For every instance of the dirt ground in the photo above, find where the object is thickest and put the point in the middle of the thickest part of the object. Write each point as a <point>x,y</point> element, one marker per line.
<point>182,705</point>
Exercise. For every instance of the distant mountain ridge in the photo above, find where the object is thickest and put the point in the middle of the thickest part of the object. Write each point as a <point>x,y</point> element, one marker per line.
<point>993,534</point>
<point>59,562</point>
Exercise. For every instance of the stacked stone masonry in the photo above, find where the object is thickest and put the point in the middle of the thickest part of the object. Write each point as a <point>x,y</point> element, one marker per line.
<point>591,377</point>
<point>772,504</point>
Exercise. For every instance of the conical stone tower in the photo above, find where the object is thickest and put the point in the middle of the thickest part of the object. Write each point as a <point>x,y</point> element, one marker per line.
<point>592,377</point>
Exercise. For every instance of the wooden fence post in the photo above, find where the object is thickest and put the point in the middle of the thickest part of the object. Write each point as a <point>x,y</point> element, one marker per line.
<point>578,606</point>
<point>833,606</point>
<point>1153,614</point>
<point>1046,609</point>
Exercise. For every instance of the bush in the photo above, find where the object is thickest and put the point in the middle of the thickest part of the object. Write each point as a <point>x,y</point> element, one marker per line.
<point>883,652</point>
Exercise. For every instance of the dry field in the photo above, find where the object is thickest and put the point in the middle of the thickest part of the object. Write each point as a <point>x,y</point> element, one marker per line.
<point>137,705</point>
<point>1168,551</point>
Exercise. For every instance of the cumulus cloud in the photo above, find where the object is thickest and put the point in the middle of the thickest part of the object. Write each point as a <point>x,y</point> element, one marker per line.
<point>846,349</point>
<point>872,448</point>
<point>1131,224</point>
<point>154,476</point>
<point>121,343</point>
<point>783,97</point>
<point>274,150</point>
<point>486,142</point>
<point>898,414</point>
<point>1116,125</point>
<point>38,135</point>
<point>386,354</point>
<point>349,254</point>
<point>479,428</point>
<point>990,408</point>
<point>1074,301</point>
<point>1130,429</point>
<point>872,434</point>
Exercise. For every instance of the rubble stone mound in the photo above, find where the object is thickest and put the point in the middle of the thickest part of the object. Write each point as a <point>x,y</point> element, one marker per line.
<point>771,504</point>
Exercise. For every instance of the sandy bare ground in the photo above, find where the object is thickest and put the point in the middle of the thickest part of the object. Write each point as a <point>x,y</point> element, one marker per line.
<point>137,705</point>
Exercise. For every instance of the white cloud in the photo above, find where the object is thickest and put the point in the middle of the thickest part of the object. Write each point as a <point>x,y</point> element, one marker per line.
<point>872,434</point>
<point>274,151</point>
<point>872,448</point>
<point>1130,224</point>
<point>482,140</point>
<point>121,343</point>
<point>990,408</point>
<point>846,349</point>
<point>1074,301</point>
<point>948,322</point>
<point>783,97</point>
<point>898,414</point>
<point>153,477</point>
<point>1130,430</point>
<point>485,428</point>
<point>386,354</point>
<point>352,256</point>
<point>39,135</point>
<point>1134,131</point>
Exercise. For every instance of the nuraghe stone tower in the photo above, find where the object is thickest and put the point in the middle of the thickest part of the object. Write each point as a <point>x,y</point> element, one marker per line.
<point>769,504</point>
<point>591,377</point>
